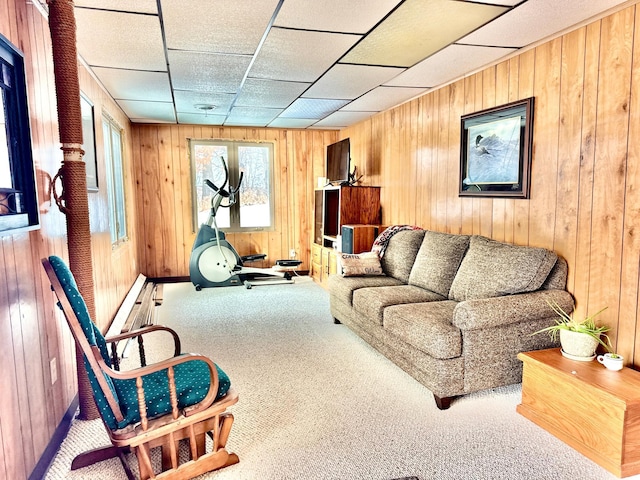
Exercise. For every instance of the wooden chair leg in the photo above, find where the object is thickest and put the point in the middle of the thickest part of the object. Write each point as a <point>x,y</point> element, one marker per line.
<point>144,462</point>
<point>103,453</point>
<point>170,450</point>
<point>226,421</point>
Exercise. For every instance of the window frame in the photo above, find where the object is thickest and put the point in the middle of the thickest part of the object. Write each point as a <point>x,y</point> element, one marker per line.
<point>16,112</point>
<point>234,173</point>
<point>118,224</point>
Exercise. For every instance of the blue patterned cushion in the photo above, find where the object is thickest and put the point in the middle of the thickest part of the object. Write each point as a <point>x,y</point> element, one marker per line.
<point>192,378</point>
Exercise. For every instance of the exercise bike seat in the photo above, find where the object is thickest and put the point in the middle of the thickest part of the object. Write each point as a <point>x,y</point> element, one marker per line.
<point>253,258</point>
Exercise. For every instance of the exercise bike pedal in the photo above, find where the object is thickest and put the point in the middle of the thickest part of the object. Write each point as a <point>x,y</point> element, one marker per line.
<point>254,257</point>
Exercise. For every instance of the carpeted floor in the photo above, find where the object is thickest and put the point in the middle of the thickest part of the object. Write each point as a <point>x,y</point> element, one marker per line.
<point>317,403</point>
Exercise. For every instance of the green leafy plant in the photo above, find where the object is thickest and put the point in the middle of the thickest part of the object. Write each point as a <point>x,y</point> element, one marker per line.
<point>565,321</point>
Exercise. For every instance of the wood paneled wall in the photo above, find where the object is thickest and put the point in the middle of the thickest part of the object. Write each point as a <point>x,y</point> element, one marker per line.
<point>163,181</point>
<point>32,331</point>
<point>585,176</point>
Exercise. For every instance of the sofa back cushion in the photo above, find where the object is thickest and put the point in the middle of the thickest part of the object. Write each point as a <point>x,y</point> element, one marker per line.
<point>492,269</point>
<point>400,254</point>
<point>438,260</point>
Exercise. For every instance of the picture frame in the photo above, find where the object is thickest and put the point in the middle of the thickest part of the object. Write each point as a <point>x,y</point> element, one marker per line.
<point>495,151</point>
<point>89,142</point>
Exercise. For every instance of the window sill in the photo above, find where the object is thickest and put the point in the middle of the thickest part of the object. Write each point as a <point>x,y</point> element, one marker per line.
<point>10,224</point>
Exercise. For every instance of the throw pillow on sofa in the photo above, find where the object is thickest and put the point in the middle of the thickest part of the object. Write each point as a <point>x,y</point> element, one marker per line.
<point>438,260</point>
<point>362,264</point>
<point>493,269</point>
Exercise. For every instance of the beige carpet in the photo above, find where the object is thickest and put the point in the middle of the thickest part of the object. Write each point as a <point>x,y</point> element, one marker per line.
<point>318,403</point>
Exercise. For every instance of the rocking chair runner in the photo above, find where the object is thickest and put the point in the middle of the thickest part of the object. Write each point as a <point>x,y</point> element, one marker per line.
<point>181,398</point>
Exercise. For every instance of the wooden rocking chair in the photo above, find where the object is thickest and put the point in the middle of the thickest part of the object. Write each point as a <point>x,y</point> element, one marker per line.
<point>181,398</point>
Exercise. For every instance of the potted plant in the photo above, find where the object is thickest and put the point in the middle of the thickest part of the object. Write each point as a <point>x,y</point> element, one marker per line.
<point>579,339</point>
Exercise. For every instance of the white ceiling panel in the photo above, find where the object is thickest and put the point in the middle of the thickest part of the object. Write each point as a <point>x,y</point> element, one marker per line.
<point>201,119</point>
<point>207,72</point>
<point>269,93</point>
<point>135,84</point>
<point>220,26</point>
<point>252,116</point>
<point>350,81</point>
<point>299,56</point>
<point>382,98</point>
<point>448,64</point>
<point>354,16</point>
<point>509,3</point>
<point>121,40</point>
<point>312,108</point>
<point>536,19</point>
<point>193,102</point>
<point>148,111</point>
<point>419,28</point>
<point>292,122</point>
<point>342,119</point>
<point>142,6</point>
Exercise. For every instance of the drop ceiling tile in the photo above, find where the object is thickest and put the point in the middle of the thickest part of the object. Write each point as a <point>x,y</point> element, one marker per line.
<point>207,72</point>
<point>252,116</point>
<point>292,122</point>
<point>419,28</point>
<point>120,40</point>
<point>299,56</point>
<point>135,84</point>
<point>161,111</point>
<point>350,81</point>
<point>220,26</point>
<point>186,102</point>
<point>448,64</point>
<point>354,16</point>
<point>312,108</point>
<point>342,119</point>
<point>508,3</point>
<point>382,98</point>
<point>200,119</point>
<point>269,93</point>
<point>143,6</point>
<point>536,19</point>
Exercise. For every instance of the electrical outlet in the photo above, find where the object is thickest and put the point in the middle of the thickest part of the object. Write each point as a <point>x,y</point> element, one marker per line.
<point>53,366</point>
<point>292,253</point>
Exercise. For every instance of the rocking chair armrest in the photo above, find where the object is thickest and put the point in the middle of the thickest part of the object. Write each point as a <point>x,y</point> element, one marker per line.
<point>144,330</point>
<point>138,373</point>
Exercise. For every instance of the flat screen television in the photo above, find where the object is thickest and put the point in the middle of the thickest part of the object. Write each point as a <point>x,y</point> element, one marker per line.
<point>338,162</point>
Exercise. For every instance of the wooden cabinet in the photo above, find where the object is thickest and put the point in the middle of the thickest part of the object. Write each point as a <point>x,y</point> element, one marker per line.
<point>324,262</point>
<point>592,409</point>
<point>335,207</point>
<point>338,206</point>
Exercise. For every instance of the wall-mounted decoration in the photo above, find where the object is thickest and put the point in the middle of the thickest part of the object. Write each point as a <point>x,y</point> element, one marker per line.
<point>495,151</point>
<point>18,198</point>
<point>89,143</point>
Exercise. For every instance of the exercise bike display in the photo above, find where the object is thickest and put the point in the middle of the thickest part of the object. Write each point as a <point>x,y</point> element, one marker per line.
<point>214,262</point>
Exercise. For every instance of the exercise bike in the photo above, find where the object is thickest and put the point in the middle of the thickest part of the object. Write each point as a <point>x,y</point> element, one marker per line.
<point>215,263</point>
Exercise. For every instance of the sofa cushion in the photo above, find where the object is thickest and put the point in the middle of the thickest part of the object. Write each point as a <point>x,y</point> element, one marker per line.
<point>371,302</point>
<point>426,326</point>
<point>492,269</point>
<point>361,264</point>
<point>342,288</point>
<point>400,254</point>
<point>437,261</point>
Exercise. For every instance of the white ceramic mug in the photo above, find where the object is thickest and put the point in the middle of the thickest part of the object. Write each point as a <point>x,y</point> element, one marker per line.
<point>611,362</point>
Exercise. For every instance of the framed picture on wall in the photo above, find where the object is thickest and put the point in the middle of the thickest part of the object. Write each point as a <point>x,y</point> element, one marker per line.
<point>495,151</point>
<point>89,143</point>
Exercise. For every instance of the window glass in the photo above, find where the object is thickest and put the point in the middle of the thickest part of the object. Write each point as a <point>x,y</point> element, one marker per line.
<point>254,208</point>
<point>115,180</point>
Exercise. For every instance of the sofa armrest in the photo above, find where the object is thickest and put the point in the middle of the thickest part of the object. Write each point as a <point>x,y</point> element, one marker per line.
<point>492,312</point>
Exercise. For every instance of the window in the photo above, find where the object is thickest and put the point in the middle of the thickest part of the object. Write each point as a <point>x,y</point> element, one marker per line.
<point>254,207</point>
<point>115,179</point>
<point>18,201</point>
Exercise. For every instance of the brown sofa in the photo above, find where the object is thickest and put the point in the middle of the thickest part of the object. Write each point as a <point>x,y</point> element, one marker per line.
<point>453,311</point>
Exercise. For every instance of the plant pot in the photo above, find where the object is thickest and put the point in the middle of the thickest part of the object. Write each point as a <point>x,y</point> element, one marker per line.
<point>577,345</point>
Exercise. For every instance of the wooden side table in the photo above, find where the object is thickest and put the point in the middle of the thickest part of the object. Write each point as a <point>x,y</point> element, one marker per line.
<point>592,409</point>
